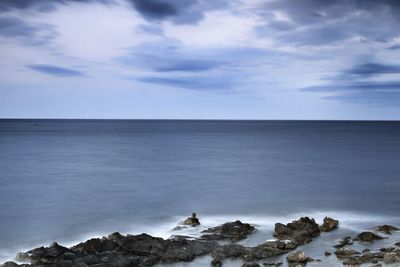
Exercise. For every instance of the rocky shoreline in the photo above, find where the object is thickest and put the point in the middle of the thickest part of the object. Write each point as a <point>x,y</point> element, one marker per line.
<point>220,242</point>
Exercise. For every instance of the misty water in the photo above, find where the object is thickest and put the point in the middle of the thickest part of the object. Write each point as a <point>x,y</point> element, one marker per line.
<point>69,180</point>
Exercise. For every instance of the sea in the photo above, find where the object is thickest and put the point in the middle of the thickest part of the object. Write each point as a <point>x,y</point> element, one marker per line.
<point>70,180</point>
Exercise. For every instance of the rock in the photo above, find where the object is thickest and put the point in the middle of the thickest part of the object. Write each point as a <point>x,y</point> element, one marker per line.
<point>297,258</point>
<point>397,244</point>
<point>345,252</point>
<point>329,224</point>
<point>343,242</point>
<point>387,229</point>
<point>192,220</point>
<point>216,263</point>
<point>327,253</point>
<point>300,232</point>
<point>391,257</point>
<point>178,228</point>
<point>367,237</point>
<point>11,264</point>
<point>273,263</point>
<point>233,230</point>
<point>250,264</point>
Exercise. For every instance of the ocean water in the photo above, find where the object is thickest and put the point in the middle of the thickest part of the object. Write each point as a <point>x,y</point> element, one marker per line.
<point>68,180</point>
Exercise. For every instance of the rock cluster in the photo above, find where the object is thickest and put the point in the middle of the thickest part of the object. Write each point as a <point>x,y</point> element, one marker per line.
<point>299,232</point>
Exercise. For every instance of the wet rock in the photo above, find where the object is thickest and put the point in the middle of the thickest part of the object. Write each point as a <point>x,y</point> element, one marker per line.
<point>344,241</point>
<point>233,230</point>
<point>329,224</point>
<point>250,264</point>
<point>327,253</point>
<point>192,220</point>
<point>367,237</point>
<point>397,244</point>
<point>216,263</point>
<point>387,229</point>
<point>298,257</point>
<point>300,231</point>
<point>345,252</point>
<point>273,263</point>
<point>391,257</point>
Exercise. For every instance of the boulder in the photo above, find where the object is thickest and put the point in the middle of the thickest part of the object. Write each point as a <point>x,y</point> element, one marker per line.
<point>300,231</point>
<point>367,237</point>
<point>234,231</point>
<point>192,220</point>
<point>329,224</point>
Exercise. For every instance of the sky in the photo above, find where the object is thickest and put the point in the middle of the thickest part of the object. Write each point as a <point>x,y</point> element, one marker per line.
<point>200,59</point>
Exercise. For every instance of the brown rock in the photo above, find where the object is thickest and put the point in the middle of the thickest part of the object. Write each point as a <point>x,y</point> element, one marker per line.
<point>329,224</point>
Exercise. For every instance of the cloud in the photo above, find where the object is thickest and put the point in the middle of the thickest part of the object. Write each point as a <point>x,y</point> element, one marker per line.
<point>370,69</point>
<point>394,47</point>
<point>55,70</point>
<point>191,82</point>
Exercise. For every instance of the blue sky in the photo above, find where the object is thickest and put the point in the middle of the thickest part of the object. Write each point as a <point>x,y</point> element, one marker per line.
<point>197,59</point>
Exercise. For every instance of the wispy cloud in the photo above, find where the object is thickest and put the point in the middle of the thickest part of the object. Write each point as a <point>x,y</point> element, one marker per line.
<point>55,70</point>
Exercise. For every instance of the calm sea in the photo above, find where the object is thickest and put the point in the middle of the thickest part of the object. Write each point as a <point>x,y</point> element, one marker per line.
<point>66,180</point>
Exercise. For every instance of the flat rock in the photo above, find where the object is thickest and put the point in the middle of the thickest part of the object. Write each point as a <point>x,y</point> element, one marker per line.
<point>367,237</point>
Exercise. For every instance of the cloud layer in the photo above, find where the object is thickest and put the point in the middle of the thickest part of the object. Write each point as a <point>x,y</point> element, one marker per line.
<point>302,56</point>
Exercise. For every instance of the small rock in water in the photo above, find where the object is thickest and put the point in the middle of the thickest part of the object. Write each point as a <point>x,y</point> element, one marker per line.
<point>298,257</point>
<point>367,237</point>
<point>344,241</point>
<point>300,231</point>
<point>250,264</point>
<point>327,253</point>
<point>397,244</point>
<point>387,229</point>
<point>192,220</point>
<point>329,224</point>
<point>273,263</point>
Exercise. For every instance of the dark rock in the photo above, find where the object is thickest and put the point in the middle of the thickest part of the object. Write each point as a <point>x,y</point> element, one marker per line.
<point>273,263</point>
<point>250,264</point>
<point>327,253</point>
<point>192,220</point>
<point>397,244</point>
<point>300,232</point>
<point>233,230</point>
<point>367,237</point>
<point>329,224</point>
<point>345,252</point>
<point>11,264</point>
<point>387,229</point>
<point>216,263</point>
<point>298,258</point>
<point>343,242</point>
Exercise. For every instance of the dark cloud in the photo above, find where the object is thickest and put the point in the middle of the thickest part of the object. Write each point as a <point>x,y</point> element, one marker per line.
<point>41,5</point>
<point>187,65</point>
<point>370,69</point>
<point>356,87</point>
<point>55,70</point>
<point>315,22</point>
<point>191,82</point>
<point>394,47</point>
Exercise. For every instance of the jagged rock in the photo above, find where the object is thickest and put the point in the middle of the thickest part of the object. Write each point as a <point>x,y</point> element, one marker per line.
<point>343,242</point>
<point>300,232</point>
<point>192,220</point>
<point>387,229</point>
<point>233,230</point>
<point>367,237</point>
<point>329,224</point>
<point>298,257</point>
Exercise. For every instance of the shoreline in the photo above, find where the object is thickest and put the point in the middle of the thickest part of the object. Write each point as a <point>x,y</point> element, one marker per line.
<point>227,238</point>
